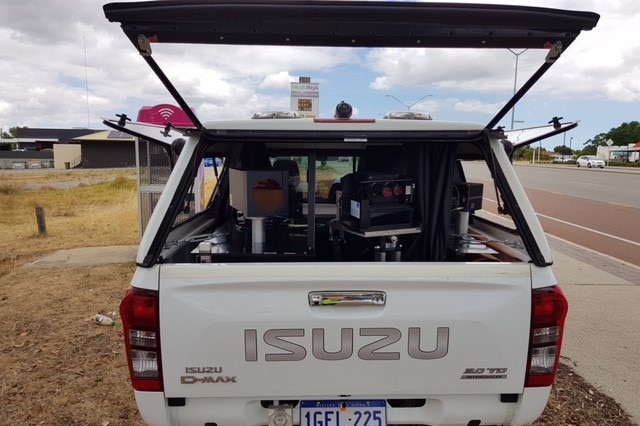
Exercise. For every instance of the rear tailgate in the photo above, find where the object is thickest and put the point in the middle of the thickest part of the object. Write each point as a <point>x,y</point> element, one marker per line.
<point>250,330</point>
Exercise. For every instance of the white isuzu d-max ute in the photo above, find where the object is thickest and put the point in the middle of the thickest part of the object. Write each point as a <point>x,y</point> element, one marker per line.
<point>344,271</point>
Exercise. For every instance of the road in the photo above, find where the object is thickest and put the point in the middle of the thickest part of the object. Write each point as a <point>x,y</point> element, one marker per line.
<point>611,185</point>
<point>594,208</point>
<point>598,209</point>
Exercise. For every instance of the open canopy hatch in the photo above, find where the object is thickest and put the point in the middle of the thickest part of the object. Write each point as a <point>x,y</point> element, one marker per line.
<point>349,24</point>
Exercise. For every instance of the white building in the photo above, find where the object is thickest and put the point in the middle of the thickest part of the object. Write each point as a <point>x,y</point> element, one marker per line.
<point>630,153</point>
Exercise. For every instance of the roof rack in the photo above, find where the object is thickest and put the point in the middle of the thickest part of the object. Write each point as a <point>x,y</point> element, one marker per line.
<point>275,114</point>
<point>408,115</point>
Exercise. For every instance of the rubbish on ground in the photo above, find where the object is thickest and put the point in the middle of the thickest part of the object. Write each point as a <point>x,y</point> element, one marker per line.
<point>103,320</point>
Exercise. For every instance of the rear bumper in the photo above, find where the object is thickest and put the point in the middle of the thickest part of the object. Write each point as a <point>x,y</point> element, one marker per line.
<point>438,410</point>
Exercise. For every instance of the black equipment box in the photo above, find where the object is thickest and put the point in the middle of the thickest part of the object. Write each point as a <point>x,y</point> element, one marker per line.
<point>377,201</point>
<point>467,196</point>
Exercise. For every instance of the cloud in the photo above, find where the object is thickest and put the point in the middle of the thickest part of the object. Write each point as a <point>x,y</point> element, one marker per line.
<point>231,78</point>
<point>47,22</point>
<point>281,80</point>
<point>74,54</point>
<point>623,92</point>
<point>462,69</point>
<point>595,56</point>
<point>477,106</point>
<point>52,51</point>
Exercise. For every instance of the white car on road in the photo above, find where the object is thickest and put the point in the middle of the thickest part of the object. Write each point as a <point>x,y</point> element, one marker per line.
<point>590,161</point>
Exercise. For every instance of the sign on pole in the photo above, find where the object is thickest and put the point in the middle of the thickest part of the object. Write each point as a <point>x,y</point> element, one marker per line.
<point>305,98</point>
<point>609,143</point>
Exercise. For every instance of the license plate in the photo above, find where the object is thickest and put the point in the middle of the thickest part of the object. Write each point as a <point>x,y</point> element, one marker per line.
<point>343,413</point>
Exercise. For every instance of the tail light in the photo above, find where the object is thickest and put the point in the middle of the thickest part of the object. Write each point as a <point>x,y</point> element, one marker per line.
<point>140,319</point>
<point>549,310</point>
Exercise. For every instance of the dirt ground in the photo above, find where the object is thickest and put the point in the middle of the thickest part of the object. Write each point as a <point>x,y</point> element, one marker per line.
<point>574,402</point>
<point>58,368</point>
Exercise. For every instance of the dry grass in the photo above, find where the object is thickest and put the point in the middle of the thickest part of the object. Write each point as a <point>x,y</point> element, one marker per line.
<point>56,367</point>
<point>81,209</point>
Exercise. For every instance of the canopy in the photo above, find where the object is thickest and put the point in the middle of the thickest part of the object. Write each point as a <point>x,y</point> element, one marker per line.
<point>349,23</point>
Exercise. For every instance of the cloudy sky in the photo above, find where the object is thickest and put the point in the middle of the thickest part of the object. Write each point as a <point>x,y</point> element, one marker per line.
<point>64,65</point>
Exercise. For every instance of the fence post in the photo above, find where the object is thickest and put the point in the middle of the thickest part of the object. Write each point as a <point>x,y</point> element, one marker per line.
<point>42,226</point>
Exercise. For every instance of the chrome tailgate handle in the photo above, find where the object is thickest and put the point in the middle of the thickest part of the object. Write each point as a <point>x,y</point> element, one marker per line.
<point>347,298</point>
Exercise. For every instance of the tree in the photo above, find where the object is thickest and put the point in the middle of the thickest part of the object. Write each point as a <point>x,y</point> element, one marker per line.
<point>12,133</point>
<point>625,134</point>
<point>588,150</point>
<point>524,153</point>
<point>562,149</point>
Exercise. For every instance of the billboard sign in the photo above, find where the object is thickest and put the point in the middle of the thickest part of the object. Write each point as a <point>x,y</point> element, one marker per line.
<point>305,99</point>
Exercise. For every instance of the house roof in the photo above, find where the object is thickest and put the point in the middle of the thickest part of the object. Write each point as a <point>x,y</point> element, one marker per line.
<point>105,136</point>
<point>25,134</point>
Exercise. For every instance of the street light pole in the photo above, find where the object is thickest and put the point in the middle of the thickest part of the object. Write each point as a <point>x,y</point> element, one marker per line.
<point>570,143</point>
<point>408,106</point>
<point>515,84</point>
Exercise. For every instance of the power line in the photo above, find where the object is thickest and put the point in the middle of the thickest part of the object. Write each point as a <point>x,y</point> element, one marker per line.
<point>86,81</point>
